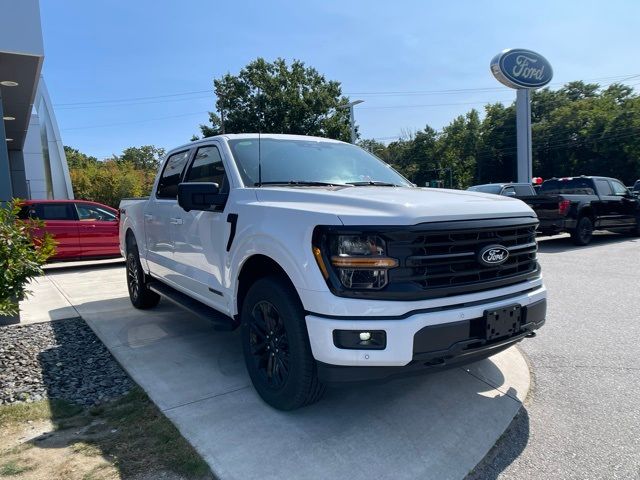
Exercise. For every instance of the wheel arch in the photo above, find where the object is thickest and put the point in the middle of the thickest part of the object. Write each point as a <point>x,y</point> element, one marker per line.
<point>255,267</point>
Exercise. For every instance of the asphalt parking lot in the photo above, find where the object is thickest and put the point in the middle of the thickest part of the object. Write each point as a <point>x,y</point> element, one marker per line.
<point>582,419</point>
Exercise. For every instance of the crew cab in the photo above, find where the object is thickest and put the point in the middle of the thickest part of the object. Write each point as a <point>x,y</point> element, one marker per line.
<point>515,190</point>
<point>580,205</point>
<point>334,266</point>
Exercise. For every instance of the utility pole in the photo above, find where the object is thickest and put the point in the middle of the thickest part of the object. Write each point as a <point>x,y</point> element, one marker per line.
<point>352,122</point>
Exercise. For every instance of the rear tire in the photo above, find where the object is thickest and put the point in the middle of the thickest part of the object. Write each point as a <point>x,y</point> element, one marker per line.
<point>583,232</point>
<point>139,294</point>
<point>276,346</point>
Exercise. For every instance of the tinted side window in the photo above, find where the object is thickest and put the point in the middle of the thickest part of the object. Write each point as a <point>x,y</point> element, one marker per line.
<point>508,191</point>
<point>55,211</point>
<point>170,178</point>
<point>207,166</point>
<point>524,190</point>
<point>88,212</point>
<point>618,188</point>
<point>603,187</point>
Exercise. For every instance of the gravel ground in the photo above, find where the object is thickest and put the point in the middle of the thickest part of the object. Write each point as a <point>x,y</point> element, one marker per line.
<point>583,418</point>
<point>61,359</point>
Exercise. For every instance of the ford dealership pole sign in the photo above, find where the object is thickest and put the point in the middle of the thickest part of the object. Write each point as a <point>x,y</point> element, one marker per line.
<point>523,70</point>
<point>520,68</point>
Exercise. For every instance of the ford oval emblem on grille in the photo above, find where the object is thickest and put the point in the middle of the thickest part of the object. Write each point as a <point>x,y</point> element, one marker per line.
<point>493,255</point>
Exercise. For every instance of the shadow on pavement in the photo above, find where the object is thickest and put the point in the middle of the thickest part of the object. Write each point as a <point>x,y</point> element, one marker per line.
<point>508,448</point>
<point>563,243</point>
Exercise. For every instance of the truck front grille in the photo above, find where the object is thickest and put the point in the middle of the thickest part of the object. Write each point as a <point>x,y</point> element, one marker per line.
<point>442,259</point>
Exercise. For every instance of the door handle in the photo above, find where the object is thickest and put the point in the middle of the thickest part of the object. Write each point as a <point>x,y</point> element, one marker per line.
<point>175,221</point>
<point>148,217</point>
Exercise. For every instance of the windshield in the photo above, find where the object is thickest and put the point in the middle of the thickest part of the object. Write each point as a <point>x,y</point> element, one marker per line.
<point>486,188</point>
<point>310,161</point>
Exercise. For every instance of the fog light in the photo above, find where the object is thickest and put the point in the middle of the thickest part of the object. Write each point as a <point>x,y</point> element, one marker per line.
<point>357,340</point>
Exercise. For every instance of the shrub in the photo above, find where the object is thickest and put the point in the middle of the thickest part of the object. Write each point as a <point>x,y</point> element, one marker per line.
<point>24,248</point>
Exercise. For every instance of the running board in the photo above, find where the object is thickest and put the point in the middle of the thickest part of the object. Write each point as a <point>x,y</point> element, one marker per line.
<point>221,322</point>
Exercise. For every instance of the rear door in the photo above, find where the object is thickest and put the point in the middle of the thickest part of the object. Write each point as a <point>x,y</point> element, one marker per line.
<point>199,237</point>
<point>98,230</point>
<point>160,213</point>
<point>60,221</point>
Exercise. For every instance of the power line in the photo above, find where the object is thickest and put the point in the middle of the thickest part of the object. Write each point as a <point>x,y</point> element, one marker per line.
<point>133,122</point>
<point>92,102</point>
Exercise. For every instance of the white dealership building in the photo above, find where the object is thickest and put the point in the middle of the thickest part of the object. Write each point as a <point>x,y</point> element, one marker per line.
<point>32,159</point>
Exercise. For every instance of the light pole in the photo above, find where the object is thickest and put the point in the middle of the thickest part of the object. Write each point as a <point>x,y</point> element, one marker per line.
<point>352,122</point>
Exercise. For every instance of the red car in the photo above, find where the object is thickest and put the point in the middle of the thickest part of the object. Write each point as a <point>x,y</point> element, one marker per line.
<point>83,229</point>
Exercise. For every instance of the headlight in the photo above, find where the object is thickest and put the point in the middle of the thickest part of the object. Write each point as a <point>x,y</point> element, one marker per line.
<point>359,261</point>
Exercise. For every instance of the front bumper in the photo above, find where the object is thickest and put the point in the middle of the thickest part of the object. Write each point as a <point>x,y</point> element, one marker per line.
<point>433,339</point>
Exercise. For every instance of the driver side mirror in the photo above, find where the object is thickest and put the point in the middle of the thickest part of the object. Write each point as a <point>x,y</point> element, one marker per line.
<point>203,196</point>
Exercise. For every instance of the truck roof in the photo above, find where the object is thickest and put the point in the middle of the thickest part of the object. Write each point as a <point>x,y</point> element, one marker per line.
<point>248,136</point>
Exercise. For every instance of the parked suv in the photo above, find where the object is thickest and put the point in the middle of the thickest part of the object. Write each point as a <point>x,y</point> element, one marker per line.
<point>334,266</point>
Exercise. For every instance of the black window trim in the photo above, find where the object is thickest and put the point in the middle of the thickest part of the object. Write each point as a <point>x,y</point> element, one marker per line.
<point>193,156</point>
<point>70,206</point>
<point>191,151</point>
<point>76,205</point>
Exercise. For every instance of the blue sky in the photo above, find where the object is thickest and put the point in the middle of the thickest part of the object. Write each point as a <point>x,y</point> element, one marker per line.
<point>121,52</point>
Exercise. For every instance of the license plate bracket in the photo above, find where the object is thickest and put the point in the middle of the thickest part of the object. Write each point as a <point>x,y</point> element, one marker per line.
<point>503,322</point>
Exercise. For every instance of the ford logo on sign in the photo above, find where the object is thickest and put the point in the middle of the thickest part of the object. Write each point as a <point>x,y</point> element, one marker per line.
<point>493,255</point>
<point>520,68</point>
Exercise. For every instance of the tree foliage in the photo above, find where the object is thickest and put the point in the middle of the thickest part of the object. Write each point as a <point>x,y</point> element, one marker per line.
<point>578,129</point>
<point>128,175</point>
<point>277,98</point>
<point>24,248</point>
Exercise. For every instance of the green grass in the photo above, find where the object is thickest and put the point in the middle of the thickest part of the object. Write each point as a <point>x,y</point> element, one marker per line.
<point>17,413</point>
<point>14,467</point>
<point>130,432</point>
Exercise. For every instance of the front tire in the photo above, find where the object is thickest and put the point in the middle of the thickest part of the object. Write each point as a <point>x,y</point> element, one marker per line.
<point>276,346</point>
<point>583,232</point>
<point>139,294</point>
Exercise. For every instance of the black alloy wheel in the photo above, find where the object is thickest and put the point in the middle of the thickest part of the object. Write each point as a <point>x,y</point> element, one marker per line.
<point>269,344</point>
<point>275,344</point>
<point>133,279</point>
<point>139,293</point>
<point>583,231</point>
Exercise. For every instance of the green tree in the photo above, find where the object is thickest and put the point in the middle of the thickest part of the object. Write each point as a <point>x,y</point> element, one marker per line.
<point>128,175</point>
<point>277,98</point>
<point>143,158</point>
<point>77,159</point>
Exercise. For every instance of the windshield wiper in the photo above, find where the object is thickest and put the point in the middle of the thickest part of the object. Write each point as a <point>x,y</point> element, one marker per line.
<point>374,183</point>
<point>301,183</point>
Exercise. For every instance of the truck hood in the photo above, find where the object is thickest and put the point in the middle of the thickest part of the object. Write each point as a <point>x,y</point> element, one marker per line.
<point>393,205</point>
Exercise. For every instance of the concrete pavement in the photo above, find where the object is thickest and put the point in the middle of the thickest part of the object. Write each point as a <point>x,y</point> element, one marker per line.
<point>435,426</point>
<point>582,419</point>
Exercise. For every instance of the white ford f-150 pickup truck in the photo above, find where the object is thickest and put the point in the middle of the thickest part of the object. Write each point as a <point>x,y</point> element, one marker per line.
<point>334,266</point>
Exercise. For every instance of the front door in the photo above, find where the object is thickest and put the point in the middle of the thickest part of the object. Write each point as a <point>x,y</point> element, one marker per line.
<point>160,212</point>
<point>627,204</point>
<point>98,230</point>
<point>199,237</point>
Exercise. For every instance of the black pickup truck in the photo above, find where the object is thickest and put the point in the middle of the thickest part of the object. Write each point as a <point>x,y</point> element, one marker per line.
<point>580,205</point>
